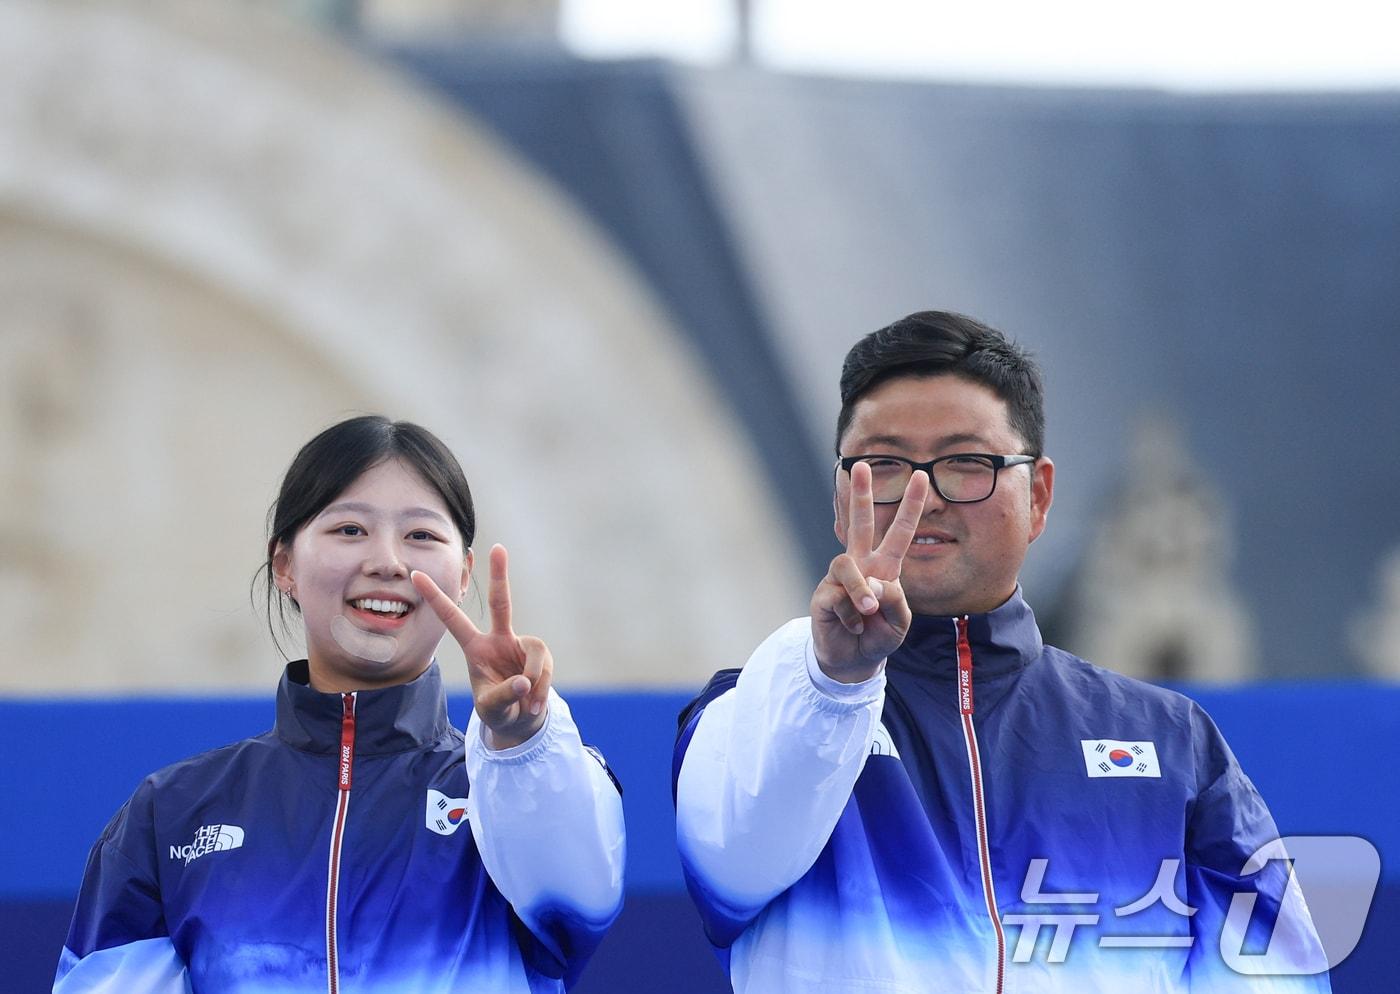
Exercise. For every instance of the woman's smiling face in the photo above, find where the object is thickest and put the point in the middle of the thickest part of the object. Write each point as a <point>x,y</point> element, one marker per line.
<point>352,562</point>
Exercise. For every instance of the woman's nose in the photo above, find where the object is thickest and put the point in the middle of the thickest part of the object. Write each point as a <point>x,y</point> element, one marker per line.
<point>386,560</point>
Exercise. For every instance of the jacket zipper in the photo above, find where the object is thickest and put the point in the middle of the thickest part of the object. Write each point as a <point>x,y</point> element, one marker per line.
<point>979,807</point>
<point>344,775</point>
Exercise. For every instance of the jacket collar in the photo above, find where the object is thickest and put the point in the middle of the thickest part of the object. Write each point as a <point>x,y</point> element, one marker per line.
<point>1004,640</point>
<point>389,720</point>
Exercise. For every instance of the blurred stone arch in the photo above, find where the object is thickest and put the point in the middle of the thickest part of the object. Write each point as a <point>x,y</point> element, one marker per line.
<point>222,233</point>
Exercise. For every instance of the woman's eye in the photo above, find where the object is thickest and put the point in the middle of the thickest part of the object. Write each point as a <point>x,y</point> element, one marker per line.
<point>422,536</point>
<point>350,530</point>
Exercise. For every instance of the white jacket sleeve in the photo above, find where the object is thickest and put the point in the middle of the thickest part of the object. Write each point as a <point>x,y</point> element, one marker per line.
<point>769,768</point>
<point>148,965</point>
<point>547,819</point>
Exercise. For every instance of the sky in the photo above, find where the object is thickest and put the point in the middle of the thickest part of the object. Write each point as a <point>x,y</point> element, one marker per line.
<point>1205,45</point>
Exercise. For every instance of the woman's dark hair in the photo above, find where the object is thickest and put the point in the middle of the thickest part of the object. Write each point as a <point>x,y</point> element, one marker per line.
<point>335,459</point>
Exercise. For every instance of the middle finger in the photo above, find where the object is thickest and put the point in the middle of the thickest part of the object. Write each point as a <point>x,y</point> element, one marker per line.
<point>901,531</point>
<point>499,597</point>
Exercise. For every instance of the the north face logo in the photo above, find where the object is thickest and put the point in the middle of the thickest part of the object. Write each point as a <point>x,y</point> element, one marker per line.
<point>209,838</point>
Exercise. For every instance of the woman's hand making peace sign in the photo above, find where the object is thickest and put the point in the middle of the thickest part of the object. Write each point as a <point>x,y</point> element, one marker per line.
<point>510,673</point>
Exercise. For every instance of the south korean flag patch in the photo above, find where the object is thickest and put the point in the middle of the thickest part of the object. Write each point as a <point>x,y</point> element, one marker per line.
<point>445,814</point>
<point>1115,758</point>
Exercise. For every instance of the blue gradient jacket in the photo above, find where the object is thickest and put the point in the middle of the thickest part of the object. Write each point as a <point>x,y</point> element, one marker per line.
<point>990,814</point>
<point>352,849</point>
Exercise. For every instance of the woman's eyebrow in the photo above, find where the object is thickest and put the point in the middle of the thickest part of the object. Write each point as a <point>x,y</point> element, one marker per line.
<point>422,512</point>
<point>362,508</point>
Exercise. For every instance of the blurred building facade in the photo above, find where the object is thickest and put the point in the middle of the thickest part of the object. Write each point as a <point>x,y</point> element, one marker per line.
<point>208,203</point>
<point>1218,261</point>
<point>223,233</point>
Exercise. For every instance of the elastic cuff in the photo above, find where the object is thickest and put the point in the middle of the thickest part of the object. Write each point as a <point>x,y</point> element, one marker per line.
<point>847,693</point>
<point>525,751</point>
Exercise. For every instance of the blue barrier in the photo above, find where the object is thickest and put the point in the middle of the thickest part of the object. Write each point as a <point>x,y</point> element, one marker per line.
<point>1317,751</point>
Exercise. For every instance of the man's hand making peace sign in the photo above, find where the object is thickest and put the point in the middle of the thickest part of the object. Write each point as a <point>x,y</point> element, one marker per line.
<point>859,614</point>
<point>510,673</point>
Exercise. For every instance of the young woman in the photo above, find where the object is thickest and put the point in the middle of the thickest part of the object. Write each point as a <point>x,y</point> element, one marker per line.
<point>363,845</point>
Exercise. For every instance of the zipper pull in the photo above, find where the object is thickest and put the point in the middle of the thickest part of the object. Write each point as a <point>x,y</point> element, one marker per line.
<point>964,667</point>
<point>347,739</point>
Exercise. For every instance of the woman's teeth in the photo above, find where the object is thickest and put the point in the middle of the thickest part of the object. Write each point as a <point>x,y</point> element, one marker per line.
<point>381,607</point>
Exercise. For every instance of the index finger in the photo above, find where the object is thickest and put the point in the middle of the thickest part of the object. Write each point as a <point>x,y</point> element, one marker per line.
<point>906,520</point>
<point>448,613</point>
<point>860,536</point>
<point>498,599</point>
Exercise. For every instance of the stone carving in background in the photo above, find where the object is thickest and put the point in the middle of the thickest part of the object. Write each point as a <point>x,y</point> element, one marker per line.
<point>1375,633</point>
<point>1153,598</point>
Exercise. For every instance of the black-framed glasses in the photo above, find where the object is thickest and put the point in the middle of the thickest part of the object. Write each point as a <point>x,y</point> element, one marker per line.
<point>961,478</point>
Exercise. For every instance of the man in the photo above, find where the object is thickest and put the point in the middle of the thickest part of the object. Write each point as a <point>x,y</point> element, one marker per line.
<point>909,792</point>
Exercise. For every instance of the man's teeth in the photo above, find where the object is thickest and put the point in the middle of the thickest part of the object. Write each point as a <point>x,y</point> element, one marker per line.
<point>928,541</point>
<point>383,607</point>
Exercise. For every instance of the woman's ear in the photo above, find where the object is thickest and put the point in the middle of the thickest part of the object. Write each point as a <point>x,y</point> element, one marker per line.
<point>282,569</point>
<point>467,562</point>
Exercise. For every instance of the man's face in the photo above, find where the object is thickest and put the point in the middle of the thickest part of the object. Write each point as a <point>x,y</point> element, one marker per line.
<point>965,557</point>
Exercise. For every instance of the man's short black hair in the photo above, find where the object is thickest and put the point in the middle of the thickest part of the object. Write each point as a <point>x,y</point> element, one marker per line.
<point>931,343</point>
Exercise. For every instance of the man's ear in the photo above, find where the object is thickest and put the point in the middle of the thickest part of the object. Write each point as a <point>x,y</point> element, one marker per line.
<point>1042,494</point>
<point>838,519</point>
